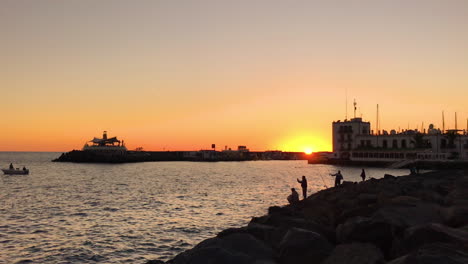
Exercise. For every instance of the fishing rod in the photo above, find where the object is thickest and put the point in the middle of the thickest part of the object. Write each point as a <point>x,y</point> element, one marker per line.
<point>323,181</point>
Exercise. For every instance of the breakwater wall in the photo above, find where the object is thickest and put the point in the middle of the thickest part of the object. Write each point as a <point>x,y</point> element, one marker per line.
<point>395,220</point>
<point>145,156</point>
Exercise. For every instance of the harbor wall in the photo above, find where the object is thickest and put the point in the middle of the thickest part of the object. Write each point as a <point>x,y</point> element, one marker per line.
<point>145,156</point>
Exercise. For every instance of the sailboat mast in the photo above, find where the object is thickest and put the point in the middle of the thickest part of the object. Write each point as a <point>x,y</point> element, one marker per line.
<point>443,122</point>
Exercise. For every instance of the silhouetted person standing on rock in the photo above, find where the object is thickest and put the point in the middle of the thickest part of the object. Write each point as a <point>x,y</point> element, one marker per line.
<point>338,178</point>
<point>293,198</point>
<point>363,175</point>
<point>303,185</point>
<point>11,166</point>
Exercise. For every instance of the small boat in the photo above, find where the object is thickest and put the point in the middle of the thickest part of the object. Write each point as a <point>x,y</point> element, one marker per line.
<point>15,171</point>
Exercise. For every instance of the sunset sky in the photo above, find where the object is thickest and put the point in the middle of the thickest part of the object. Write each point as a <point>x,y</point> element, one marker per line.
<point>181,75</point>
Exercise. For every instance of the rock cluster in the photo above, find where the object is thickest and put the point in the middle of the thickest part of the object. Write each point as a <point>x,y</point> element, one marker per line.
<point>395,220</point>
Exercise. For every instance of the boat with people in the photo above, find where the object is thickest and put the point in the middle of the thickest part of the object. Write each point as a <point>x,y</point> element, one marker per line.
<point>12,171</point>
<point>16,171</point>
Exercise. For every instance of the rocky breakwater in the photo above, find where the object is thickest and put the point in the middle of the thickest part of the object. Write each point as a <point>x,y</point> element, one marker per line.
<point>396,220</point>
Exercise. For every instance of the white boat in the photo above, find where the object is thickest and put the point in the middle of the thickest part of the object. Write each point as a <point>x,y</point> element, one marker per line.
<point>15,171</point>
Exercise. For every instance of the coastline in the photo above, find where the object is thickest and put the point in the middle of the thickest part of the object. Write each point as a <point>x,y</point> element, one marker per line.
<point>393,220</point>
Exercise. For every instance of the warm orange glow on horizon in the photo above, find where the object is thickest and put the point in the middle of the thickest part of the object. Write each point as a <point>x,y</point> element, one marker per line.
<point>304,142</point>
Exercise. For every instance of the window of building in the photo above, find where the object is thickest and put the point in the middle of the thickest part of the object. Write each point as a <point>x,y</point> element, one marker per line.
<point>394,144</point>
<point>443,143</point>
<point>403,143</point>
<point>384,144</point>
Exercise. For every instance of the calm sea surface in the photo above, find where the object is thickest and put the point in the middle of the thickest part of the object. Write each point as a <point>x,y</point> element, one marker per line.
<point>130,213</point>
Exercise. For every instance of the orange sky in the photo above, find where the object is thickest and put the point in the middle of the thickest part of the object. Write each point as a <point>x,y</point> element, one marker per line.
<point>181,75</point>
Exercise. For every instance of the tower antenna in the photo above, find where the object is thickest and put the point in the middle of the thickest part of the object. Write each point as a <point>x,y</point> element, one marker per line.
<point>377,123</point>
<point>456,127</point>
<point>346,110</point>
<point>355,108</point>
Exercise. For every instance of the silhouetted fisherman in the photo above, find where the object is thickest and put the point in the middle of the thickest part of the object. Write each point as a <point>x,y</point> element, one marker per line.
<point>11,166</point>
<point>303,185</point>
<point>293,198</point>
<point>338,178</point>
<point>363,175</point>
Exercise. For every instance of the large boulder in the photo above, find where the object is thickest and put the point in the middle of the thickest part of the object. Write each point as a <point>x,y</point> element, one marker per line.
<point>366,230</point>
<point>431,196</point>
<point>417,236</point>
<point>232,248</point>
<point>320,210</point>
<point>286,221</point>
<point>366,198</point>
<point>363,211</point>
<point>456,215</point>
<point>155,261</point>
<point>301,246</point>
<point>213,255</point>
<point>355,253</point>
<point>458,194</point>
<point>271,235</point>
<point>435,254</point>
<point>247,244</point>
<point>405,211</point>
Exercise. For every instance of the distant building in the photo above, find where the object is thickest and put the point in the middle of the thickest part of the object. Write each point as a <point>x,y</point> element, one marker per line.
<point>240,154</point>
<point>105,144</point>
<point>242,149</point>
<point>353,140</point>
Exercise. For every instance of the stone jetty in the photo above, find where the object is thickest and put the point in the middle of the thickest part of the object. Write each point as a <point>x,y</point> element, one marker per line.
<point>104,156</point>
<point>396,220</point>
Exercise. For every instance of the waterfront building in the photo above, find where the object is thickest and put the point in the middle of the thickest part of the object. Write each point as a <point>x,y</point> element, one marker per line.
<point>354,140</point>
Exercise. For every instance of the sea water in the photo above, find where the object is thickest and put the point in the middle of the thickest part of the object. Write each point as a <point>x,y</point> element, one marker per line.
<point>131,213</point>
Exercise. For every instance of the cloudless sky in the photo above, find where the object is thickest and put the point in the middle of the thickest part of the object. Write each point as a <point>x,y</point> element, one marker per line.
<point>181,75</point>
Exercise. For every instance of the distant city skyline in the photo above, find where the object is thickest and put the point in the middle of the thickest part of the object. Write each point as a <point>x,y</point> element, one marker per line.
<point>269,75</point>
